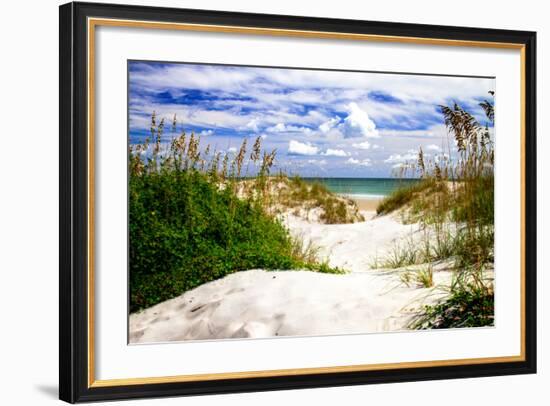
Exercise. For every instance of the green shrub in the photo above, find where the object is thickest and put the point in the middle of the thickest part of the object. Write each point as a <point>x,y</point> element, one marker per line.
<point>184,232</point>
<point>469,306</point>
<point>189,226</point>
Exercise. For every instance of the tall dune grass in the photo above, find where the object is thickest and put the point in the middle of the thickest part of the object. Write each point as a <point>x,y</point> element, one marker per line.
<point>187,224</point>
<point>454,200</point>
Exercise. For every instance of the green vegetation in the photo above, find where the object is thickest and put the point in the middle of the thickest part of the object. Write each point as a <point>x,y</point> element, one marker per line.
<point>334,209</point>
<point>465,248</point>
<point>466,307</point>
<point>471,304</point>
<point>401,255</point>
<point>410,194</point>
<point>281,193</point>
<point>454,202</point>
<point>188,226</point>
<point>425,277</point>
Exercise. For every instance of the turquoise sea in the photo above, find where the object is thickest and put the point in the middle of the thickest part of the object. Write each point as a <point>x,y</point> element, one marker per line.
<point>362,187</point>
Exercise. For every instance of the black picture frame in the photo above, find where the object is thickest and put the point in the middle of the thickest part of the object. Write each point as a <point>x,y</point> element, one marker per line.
<point>74,384</point>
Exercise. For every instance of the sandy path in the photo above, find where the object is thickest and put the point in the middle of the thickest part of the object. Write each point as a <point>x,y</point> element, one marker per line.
<point>354,247</point>
<point>367,204</point>
<point>257,303</point>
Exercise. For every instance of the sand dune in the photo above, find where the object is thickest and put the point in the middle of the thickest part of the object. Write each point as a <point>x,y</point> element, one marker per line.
<point>258,303</point>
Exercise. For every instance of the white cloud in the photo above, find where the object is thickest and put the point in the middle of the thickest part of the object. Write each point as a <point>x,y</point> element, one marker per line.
<point>328,125</point>
<point>364,162</point>
<point>283,128</point>
<point>279,128</point>
<point>335,152</point>
<point>337,108</point>
<point>362,145</point>
<point>207,132</point>
<point>140,116</point>
<point>232,150</point>
<point>409,156</point>
<point>214,118</point>
<point>435,131</point>
<point>307,83</point>
<point>300,148</point>
<point>317,162</point>
<point>433,147</point>
<point>253,124</point>
<point>358,123</point>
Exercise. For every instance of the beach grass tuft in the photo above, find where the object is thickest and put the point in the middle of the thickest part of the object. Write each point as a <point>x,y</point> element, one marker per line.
<point>425,277</point>
<point>470,304</point>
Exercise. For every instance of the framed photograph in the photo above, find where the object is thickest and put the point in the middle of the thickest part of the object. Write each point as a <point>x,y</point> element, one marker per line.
<point>256,202</point>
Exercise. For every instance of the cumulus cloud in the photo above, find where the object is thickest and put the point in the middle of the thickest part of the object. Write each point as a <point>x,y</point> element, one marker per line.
<point>358,123</point>
<point>301,148</point>
<point>296,108</point>
<point>335,152</point>
<point>364,162</point>
<point>362,145</point>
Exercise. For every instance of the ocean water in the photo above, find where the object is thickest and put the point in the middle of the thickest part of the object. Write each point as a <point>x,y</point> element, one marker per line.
<point>363,187</point>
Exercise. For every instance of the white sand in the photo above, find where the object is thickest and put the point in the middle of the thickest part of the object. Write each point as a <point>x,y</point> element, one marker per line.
<point>257,303</point>
<point>355,246</point>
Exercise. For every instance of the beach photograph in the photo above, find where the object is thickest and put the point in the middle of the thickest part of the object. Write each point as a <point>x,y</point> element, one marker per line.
<point>273,202</point>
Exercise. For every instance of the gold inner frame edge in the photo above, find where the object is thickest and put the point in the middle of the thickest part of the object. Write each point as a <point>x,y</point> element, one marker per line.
<point>94,22</point>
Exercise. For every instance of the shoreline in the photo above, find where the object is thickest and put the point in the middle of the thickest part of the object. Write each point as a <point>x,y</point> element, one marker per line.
<point>365,203</point>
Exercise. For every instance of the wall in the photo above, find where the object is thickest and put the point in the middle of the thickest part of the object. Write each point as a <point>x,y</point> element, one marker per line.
<point>28,201</point>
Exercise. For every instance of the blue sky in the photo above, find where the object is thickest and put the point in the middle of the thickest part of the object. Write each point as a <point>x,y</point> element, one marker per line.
<point>322,123</point>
